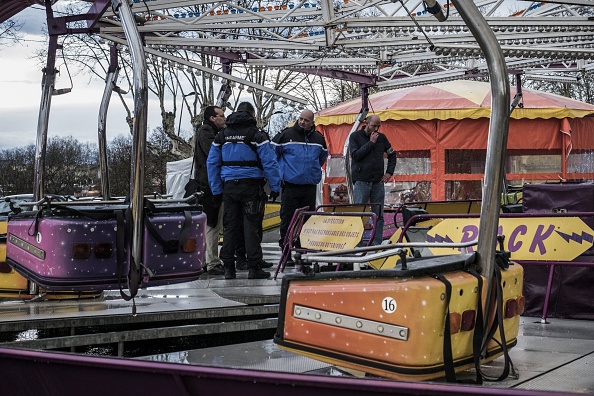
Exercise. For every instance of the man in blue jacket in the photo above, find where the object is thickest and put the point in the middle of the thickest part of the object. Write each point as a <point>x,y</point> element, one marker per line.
<point>367,147</point>
<point>301,152</point>
<point>238,162</point>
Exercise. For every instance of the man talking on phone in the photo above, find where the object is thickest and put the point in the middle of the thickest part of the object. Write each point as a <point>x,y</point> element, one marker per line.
<point>367,147</point>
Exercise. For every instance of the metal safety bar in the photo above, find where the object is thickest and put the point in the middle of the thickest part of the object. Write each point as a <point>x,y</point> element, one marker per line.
<point>298,221</point>
<point>386,251</point>
<point>110,202</point>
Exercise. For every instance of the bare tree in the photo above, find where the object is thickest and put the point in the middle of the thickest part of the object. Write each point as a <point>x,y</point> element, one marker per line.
<point>157,157</point>
<point>10,32</point>
<point>182,90</point>
<point>16,170</point>
<point>68,165</point>
<point>171,84</point>
<point>118,159</point>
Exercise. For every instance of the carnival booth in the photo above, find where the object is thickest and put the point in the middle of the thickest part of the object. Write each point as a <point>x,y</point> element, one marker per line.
<point>440,134</point>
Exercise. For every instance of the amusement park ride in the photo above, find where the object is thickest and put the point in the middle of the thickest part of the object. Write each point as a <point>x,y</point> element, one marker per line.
<point>428,317</point>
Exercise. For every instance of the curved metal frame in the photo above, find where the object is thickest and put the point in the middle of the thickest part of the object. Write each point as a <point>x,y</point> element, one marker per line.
<point>139,128</point>
<point>110,84</point>
<point>496,144</point>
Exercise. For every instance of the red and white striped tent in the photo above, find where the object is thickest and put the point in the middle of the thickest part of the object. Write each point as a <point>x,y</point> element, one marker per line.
<point>435,120</point>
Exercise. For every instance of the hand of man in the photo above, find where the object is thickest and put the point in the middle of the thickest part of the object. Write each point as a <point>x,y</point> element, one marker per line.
<point>274,195</point>
<point>217,200</point>
<point>374,136</point>
<point>386,177</point>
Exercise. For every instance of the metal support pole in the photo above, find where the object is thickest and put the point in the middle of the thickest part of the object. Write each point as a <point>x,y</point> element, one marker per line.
<point>110,83</point>
<point>496,144</point>
<point>47,88</point>
<point>139,129</point>
<point>346,153</point>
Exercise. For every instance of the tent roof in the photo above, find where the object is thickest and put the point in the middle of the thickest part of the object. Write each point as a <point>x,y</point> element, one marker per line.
<point>458,99</point>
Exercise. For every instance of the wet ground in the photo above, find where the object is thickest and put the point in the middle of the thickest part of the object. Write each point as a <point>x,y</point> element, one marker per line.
<point>557,356</point>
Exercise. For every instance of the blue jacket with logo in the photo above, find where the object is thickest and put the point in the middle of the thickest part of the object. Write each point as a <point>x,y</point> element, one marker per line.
<point>230,158</point>
<point>300,155</point>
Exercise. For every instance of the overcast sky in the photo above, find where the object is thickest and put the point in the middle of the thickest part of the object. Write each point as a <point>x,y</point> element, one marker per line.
<point>73,114</point>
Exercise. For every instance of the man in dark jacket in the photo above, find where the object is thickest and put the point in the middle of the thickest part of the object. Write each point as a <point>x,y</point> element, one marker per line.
<point>239,161</point>
<point>214,121</point>
<point>367,147</point>
<point>301,152</point>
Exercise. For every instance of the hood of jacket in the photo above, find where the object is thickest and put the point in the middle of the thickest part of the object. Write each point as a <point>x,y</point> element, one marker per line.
<point>240,118</point>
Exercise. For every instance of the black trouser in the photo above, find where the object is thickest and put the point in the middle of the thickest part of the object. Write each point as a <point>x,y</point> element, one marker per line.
<point>240,253</point>
<point>294,196</point>
<point>244,207</point>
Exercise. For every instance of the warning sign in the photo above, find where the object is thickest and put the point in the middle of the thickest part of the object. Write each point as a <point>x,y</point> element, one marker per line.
<point>534,238</point>
<point>323,232</point>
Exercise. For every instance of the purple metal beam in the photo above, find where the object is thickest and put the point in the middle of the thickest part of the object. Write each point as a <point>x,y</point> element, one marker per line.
<point>341,75</point>
<point>59,26</point>
<point>35,372</point>
<point>9,8</point>
<point>364,97</point>
<point>96,11</point>
<point>345,75</point>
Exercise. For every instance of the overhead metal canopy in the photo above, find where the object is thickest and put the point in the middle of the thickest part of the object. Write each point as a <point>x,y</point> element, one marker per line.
<point>384,43</point>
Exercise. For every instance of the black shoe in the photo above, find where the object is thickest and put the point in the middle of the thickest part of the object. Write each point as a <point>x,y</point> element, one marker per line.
<point>257,273</point>
<point>290,263</point>
<point>216,270</point>
<point>230,273</point>
<point>241,265</point>
<point>265,264</point>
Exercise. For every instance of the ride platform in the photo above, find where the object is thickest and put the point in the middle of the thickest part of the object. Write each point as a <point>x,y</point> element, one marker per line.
<point>552,357</point>
<point>555,356</point>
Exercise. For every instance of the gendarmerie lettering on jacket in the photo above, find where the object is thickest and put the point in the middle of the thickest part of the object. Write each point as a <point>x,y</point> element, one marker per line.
<point>232,158</point>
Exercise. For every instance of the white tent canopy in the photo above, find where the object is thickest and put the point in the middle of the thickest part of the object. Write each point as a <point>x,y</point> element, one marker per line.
<point>178,174</point>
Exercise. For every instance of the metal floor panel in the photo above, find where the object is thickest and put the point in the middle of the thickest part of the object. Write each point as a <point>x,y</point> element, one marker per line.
<point>573,377</point>
<point>554,345</point>
<point>148,301</point>
<point>546,357</point>
<point>266,294</point>
<point>558,328</point>
<point>543,354</point>
<point>528,365</point>
<point>258,355</point>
